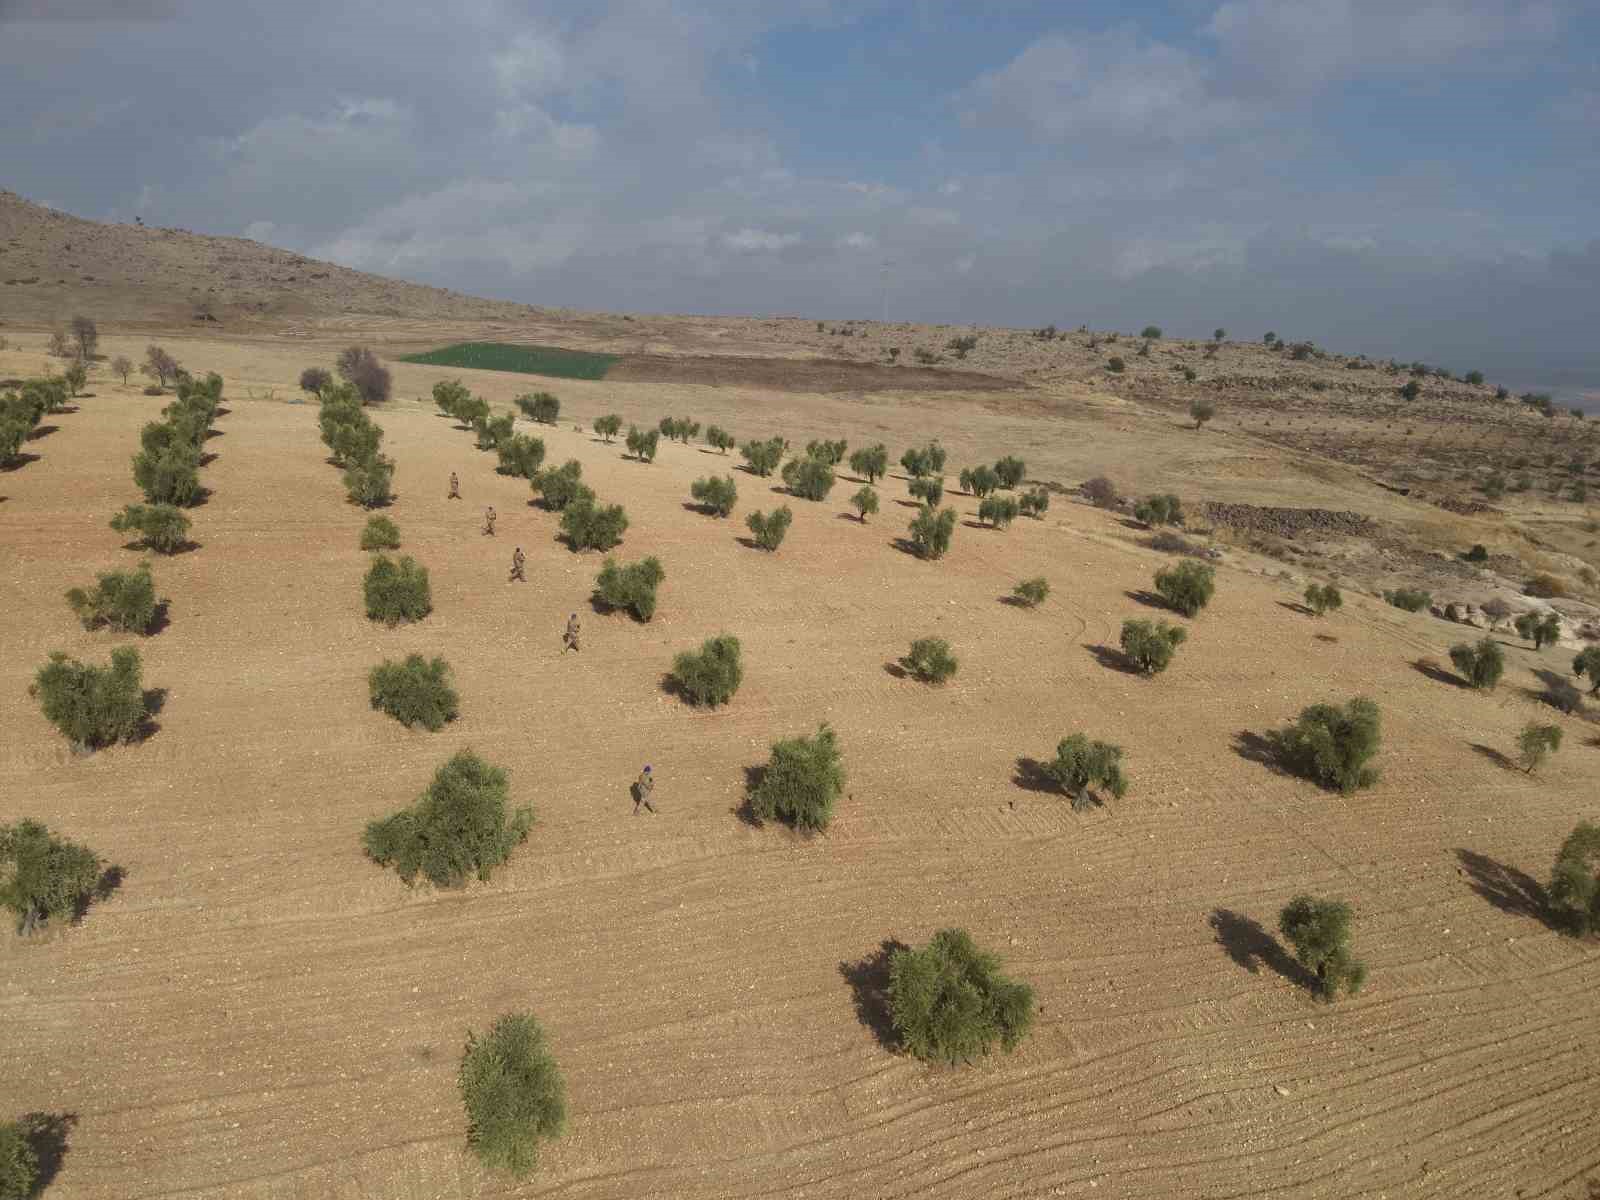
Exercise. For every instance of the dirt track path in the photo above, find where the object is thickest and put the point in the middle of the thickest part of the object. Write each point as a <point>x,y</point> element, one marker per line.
<point>261,1013</point>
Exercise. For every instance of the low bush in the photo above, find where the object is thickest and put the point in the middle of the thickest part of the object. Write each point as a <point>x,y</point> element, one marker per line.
<point>513,1093</point>
<point>1159,510</point>
<point>865,502</point>
<point>712,675</point>
<point>715,496</point>
<point>521,455</point>
<point>608,426</point>
<point>930,491</point>
<point>870,462</point>
<point>380,533</point>
<point>1150,645</point>
<point>590,525</point>
<point>643,444</point>
<point>161,527</point>
<point>397,591</point>
<point>808,478</point>
<point>1537,742</point>
<point>1081,766</point>
<point>1539,628</point>
<point>41,877</point>
<point>1410,599</point>
<point>719,440</point>
<point>1332,745</point>
<point>931,531</point>
<point>1319,931</point>
<point>763,457</point>
<point>1587,663</point>
<point>1410,390</point>
<point>124,600</point>
<point>540,407</point>
<point>414,692</point>
<point>631,587</point>
<point>979,481</point>
<point>1011,471</point>
<point>930,660</point>
<point>998,511</point>
<point>458,827</point>
<point>1032,592</point>
<point>1480,665</point>
<point>368,483</point>
<point>949,1001</point>
<point>93,706</point>
<point>1575,881</point>
<point>1186,587</point>
<point>924,460</point>
<point>1545,587</point>
<point>1101,492</point>
<point>1115,365</point>
<point>769,529</point>
<point>1323,598</point>
<point>800,782</point>
<point>1035,503</point>
<point>558,487</point>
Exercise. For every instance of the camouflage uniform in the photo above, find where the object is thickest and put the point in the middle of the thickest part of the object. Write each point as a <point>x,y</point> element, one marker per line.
<point>489,520</point>
<point>569,639</point>
<point>642,787</point>
<point>455,487</point>
<point>517,561</point>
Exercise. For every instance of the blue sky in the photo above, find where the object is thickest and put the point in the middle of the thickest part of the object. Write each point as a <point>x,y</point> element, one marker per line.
<point>1402,177</point>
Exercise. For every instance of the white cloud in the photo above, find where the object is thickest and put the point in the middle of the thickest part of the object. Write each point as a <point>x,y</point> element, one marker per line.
<point>858,241</point>
<point>748,241</point>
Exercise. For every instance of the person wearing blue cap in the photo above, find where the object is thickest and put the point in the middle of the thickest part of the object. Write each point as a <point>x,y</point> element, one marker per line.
<point>642,788</point>
<point>569,640</point>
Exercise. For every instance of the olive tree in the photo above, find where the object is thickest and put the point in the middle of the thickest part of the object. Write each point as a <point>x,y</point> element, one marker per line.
<point>416,691</point>
<point>1187,587</point>
<point>1537,742</point>
<point>1080,766</point>
<point>1332,745</point>
<point>949,1001</point>
<point>360,367</point>
<point>42,877</point>
<point>1323,598</point>
<point>93,706</point>
<point>1010,471</point>
<point>769,529</point>
<point>608,426</point>
<point>1202,411</point>
<point>459,826</point>
<point>719,440</point>
<point>124,600</point>
<point>590,525</point>
<point>979,481</point>
<point>931,531</point>
<point>397,591</point>
<point>998,511</point>
<point>1319,931</point>
<point>712,675</point>
<point>1035,503</point>
<point>1165,509</point>
<point>800,783</point>
<point>1150,645</point>
<point>558,487</point>
<point>808,478</point>
<point>924,460</point>
<point>928,490</point>
<point>870,462</point>
<point>1575,881</point>
<point>540,407</point>
<point>1480,665</point>
<point>1540,629</point>
<point>632,587</point>
<point>161,527</point>
<point>513,1093</point>
<point>642,444</point>
<point>1588,663</point>
<point>762,458</point>
<point>715,496</point>
<point>930,660</point>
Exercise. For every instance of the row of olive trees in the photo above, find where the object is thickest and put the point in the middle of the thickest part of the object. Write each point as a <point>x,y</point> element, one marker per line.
<point>22,407</point>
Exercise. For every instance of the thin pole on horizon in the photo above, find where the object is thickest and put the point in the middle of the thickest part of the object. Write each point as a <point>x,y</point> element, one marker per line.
<point>886,265</point>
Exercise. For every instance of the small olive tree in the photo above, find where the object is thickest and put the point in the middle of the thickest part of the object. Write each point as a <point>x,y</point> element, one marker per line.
<point>1588,663</point>
<point>161,527</point>
<point>1186,587</point>
<point>589,525</point>
<point>930,660</point>
<point>924,460</point>
<point>1165,509</point>
<point>1150,645</point>
<point>124,600</point>
<point>979,481</point>
<point>719,440</point>
<point>1575,881</point>
<point>458,827</point>
<point>865,502</point>
<point>1537,742</point>
<point>631,587</point>
<point>769,529</point>
<point>1319,931</point>
<point>1031,593</point>
<point>42,877</point>
<point>1202,411</point>
<point>1080,766</point>
<point>931,531</point>
<point>716,497</point>
<point>712,675</point>
<point>800,782</point>
<point>415,692</point>
<point>870,462</point>
<point>1540,629</point>
<point>929,490</point>
<point>93,706</point>
<point>998,511</point>
<point>642,444</point>
<point>380,533</point>
<point>1035,503</point>
<point>520,455</point>
<point>1333,745</point>
<point>1011,471</point>
<point>949,1001</point>
<point>1322,598</point>
<point>513,1093</point>
<point>608,426</point>
<point>369,481</point>
<point>809,478</point>
<point>540,407</point>
<point>762,458</point>
<point>1480,665</point>
<point>558,487</point>
<point>397,591</point>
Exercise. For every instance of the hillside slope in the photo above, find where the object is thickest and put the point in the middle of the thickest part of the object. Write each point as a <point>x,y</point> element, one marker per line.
<point>53,265</point>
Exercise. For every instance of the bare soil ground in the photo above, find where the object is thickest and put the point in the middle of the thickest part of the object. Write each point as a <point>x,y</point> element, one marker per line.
<point>260,1012</point>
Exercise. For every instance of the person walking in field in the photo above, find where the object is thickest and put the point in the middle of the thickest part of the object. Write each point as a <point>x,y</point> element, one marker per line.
<point>518,559</point>
<point>489,517</point>
<point>642,787</point>
<point>455,487</point>
<point>569,639</point>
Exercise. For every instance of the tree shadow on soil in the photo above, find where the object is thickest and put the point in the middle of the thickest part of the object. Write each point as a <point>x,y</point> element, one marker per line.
<point>155,699</point>
<point>1296,608</point>
<point>1261,749</point>
<point>744,810</point>
<point>1113,659</point>
<point>1437,673</point>
<point>1014,601</point>
<point>868,978</point>
<point>1506,888</point>
<point>896,670</point>
<point>749,543</point>
<point>104,888</point>
<point>905,546</point>
<point>18,461</point>
<point>1559,692</point>
<point>1252,947</point>
<point>1031,776</point>
<point>1493,755</point>
<point>47,1135</point>
<point>159,619</point>
<point>1148,599</point>
<point>41,431</point>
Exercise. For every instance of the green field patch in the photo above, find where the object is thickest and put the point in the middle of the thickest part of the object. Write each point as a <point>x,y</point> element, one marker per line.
<point>525,360</point>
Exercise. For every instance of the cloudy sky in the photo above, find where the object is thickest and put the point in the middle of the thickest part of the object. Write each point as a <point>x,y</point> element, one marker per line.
<point>1418,178</point>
